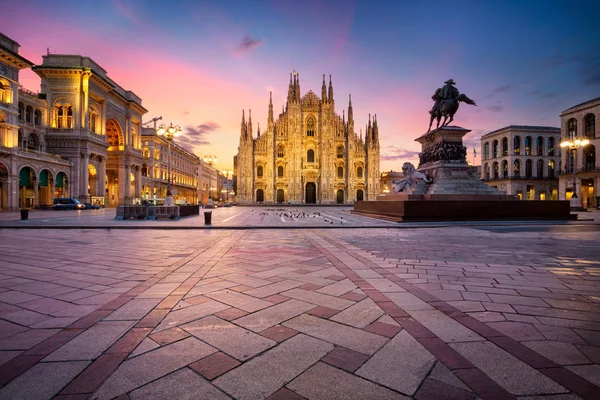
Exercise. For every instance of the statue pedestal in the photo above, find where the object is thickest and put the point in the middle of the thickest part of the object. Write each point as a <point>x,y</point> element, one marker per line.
<point>456,192</point>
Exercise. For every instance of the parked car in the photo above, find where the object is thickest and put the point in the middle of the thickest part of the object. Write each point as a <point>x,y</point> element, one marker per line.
<point>90,206</point>
<point>67,203</point>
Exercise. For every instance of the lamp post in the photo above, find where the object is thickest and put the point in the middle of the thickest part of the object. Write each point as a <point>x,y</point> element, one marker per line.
<point>573,143</point>
<point>210,159</point>
<point>169,132</point>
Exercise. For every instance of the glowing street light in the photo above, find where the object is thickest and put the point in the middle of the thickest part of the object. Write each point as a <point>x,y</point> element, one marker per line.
<point>169,132</point>
<point>210,159</point>
<point>574,143</point>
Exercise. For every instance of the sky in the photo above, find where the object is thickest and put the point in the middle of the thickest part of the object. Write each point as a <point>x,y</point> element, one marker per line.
<point>199,63</point>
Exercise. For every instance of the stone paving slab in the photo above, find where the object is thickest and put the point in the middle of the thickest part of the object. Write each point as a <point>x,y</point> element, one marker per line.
<point>491,311</point>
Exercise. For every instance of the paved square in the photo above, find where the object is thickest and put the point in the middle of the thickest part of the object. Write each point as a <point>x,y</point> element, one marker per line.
<point>456,312</point>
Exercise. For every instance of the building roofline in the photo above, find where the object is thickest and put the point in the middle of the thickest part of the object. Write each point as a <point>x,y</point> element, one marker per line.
<point>532,128</point>
<point>597,99</point>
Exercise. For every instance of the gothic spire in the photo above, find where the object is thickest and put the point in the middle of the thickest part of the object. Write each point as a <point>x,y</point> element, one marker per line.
<point>258,131</point>
<point>270,107</point>
<point>370,130</point>
<point>323,91</point>
<point>249,130</point>
<point>350,113</point>
<point>290,92</point>
<point>243,128</point>
<point>330,95</point>
<point>297,87</point>
<point>375,130</point>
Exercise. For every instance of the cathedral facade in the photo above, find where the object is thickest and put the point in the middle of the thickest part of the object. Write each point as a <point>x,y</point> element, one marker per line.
<point>309,155</point>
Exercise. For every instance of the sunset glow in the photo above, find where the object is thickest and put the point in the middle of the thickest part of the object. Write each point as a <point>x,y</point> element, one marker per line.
<point>198,64</point>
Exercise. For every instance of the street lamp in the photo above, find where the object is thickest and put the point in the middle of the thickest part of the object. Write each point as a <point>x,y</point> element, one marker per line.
<point>210,159</point>
<point>574,143</point>
<point>169,132</point>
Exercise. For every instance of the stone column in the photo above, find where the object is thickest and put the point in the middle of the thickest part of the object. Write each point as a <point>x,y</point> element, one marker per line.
<point>123,181</point>
<point>13,192</point>
<point>102,179</point>
<point>138,181</point>
<point>36,192</point>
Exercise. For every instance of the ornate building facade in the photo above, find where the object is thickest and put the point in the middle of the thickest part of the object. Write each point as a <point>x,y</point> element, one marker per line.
<point>522,160</point>
<point>309,155</point>
<point>581,172</point>
<point>184,166</point>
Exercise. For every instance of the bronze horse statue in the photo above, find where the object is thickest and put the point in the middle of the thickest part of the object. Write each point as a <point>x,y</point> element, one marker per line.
<point>447,108</point>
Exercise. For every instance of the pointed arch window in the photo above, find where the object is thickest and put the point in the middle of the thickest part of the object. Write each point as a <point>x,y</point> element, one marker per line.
<point>517,145</point>
<point>259,171</point>
<point>504,146</point>
<point>517,168</point>
<point>340,172</point>
<point>359,172</point>
<point>540,146</point>
<point>280,171</point>
<point>280,151</point>
<point>310,156</point>
<point>340,152</point>
<point>310,126</point>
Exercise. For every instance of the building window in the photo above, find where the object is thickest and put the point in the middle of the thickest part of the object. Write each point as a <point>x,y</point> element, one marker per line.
<point>310,156</point>
<point>540,146</point>
<point>280,152</point>
<point>495,168</point>
<point>589,154</point>
<point>280,172</point>
<point>32,142</point>
<point>495,149</point>
<point>528,168</point>
<point>572,128</point>
<point>359,172</point>
<point>517,168</point>
<point>340,152</point>
<point>64,116</point>
<point>259,171</point>
<point>310,127</point>
<point>540,169</point>
<point>21,111</point>
<point>589,126</point>
<point>505,169</point>
<point>37,117</point>
<point>486,171</point>
<point>504,146</point>
<point>340,172</point>
<point>486,151</point>
<point>517,145</point>
<point>528,141</point>
<point>29,114</point>
<point>551,169</point>
<point>551,143</point>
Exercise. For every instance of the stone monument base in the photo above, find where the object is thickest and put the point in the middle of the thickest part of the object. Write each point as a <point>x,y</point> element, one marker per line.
<point>457,207</point>
<point>456,192</point>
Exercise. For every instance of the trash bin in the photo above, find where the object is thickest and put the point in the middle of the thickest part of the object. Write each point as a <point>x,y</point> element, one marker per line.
<point>25,214</point>
<point>207,217</point>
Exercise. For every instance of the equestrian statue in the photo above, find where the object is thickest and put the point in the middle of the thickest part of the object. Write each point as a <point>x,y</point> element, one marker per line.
<point>447,99</point>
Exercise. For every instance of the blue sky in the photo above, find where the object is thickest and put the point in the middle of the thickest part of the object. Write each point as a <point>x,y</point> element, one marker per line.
<point>199,63</point>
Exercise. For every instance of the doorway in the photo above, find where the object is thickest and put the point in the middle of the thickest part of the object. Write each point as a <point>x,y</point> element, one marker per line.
<point>280,197</point>
<point>359,195</point>
<point>260,196</point>
<point>311,193</point>
<point>340,197</point>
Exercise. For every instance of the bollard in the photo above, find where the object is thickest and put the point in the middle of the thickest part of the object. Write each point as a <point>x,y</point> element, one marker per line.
<point>207,217</point>
<point>24,214</point>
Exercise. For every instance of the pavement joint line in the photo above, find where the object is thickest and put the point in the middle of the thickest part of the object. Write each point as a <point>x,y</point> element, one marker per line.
<point>533,359</point>
<point>83,324</point>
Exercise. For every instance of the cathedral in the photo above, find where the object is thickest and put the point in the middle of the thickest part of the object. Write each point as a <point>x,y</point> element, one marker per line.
<point>309,155</point>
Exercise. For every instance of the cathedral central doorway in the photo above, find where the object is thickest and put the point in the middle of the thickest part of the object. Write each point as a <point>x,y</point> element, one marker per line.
<point>260,196</point>
<point>311,193</point>
<point>340,196</point>
<point>359,195</point>
<point>280,199</point>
